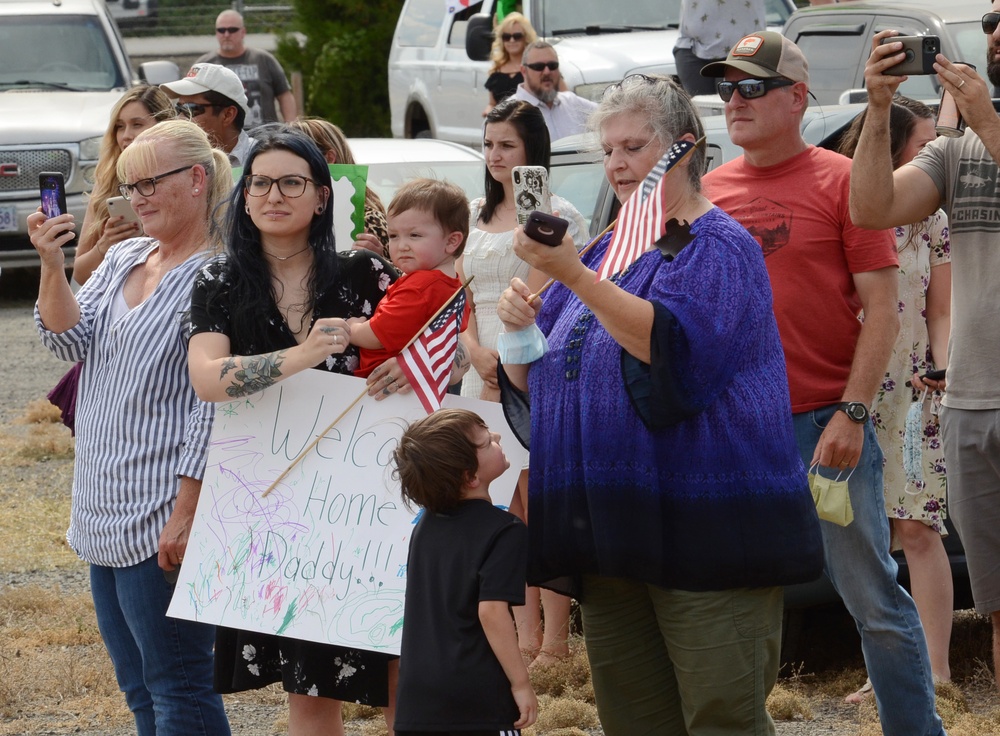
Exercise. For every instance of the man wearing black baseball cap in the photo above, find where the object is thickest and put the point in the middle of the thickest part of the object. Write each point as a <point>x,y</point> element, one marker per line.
<point>794,198</point>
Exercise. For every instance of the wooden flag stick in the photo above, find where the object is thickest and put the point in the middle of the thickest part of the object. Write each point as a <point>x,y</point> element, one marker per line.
<point>354,403</point>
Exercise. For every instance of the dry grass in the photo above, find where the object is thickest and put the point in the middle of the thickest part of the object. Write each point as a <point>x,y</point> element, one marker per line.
<point>56,678</point>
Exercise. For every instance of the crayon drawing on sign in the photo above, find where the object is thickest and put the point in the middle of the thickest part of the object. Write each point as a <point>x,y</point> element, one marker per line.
<point>323,556</point>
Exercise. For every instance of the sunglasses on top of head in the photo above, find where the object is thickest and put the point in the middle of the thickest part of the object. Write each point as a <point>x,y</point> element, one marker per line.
<point>539,66</point>
<point>751,89</point>
<point>990,23</point>
<point>512,36</point>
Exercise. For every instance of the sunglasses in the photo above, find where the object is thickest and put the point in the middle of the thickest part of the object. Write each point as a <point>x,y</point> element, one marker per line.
<point>751,89</point>
<point>147,187</point>
<point>539,66</point>
<point>512,36</point>
<point>990,23</point>
<point>194,109</point>
<point>228,29</point>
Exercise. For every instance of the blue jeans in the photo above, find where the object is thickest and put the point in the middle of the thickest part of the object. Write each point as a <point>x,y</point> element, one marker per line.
<point>861,569</point>
<point>163,665</point>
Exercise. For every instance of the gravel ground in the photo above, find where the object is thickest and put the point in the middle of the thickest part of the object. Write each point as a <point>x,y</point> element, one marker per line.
<point>32,371</point>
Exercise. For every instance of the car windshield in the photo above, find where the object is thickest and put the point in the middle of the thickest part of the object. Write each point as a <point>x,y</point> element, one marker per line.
<point>565,17</point>
<point>57,52</point>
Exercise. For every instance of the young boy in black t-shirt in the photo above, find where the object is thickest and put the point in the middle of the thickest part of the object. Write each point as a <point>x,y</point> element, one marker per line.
<point>461,671</point>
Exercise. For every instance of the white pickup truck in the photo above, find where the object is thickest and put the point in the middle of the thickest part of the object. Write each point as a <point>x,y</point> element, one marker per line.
<point>63,66</point>
<point>438,60</point>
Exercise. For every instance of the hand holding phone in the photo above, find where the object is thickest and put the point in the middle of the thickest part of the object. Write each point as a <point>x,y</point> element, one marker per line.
<point>531,191</point>
<point>920,52</point>
<point>52,188</point>
<point>934,375</point>
<point>545,228</point>
<point>120,207</point>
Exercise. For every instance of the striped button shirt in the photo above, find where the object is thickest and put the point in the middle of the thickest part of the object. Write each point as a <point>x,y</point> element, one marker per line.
<point>139,424</point>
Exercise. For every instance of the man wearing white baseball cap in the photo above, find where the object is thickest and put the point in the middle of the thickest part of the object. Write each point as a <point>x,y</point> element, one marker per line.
<point>824,270</point>
<point>213,97</point>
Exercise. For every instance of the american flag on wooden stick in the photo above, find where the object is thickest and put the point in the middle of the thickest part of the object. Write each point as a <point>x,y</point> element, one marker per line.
<point>642,219</point>
<point>427,360</point>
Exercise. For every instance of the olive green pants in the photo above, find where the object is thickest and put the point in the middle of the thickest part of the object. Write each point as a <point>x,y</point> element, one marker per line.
<point>668,662</point>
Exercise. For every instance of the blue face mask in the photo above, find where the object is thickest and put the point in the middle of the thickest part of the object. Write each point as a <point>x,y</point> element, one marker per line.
<point>832,497</point>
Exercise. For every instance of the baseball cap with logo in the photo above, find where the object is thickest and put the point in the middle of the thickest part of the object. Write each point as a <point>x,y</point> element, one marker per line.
<point>765,54</point>
<point>204,77</point>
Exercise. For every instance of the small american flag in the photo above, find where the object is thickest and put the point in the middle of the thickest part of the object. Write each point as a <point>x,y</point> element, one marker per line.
<point>427,360</point>
<point>642,219</point>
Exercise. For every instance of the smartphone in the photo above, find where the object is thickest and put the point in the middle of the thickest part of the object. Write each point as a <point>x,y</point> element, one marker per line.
<point>545,228</point>
<point>120,207</point>
<point>920,52</point>
<point>531,191</point>
<point>52,187</point>
<point>935,375</point>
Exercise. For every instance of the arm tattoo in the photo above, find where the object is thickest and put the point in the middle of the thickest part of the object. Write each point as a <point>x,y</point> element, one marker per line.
<point>258,372</point>
<point>228,365</point>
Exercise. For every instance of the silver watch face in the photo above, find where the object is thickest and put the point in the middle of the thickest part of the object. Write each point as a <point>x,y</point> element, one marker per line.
<point>856,411</point>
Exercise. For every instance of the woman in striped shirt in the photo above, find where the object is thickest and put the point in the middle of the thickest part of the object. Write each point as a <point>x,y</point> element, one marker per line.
<point>142,433</point>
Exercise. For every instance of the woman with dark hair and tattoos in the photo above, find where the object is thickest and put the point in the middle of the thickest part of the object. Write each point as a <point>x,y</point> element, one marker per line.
<point>275,304</point>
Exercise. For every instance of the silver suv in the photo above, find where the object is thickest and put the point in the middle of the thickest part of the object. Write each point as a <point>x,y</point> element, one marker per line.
<point>62,68</point>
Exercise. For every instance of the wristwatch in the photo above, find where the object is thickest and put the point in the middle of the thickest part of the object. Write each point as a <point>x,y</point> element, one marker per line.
<point>855,411</point>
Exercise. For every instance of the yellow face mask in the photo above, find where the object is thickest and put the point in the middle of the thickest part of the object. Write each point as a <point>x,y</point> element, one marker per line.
<point>831,496</point>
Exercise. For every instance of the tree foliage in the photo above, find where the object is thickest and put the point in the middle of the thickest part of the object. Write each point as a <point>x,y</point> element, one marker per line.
<point>344,62</point>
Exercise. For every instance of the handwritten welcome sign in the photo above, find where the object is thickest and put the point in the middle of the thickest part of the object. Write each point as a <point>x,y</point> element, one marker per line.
<point>323,556</point>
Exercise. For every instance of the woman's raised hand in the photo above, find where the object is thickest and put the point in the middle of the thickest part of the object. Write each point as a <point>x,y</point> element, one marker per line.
<point>518,307</point>
<point>329,336</point>
<point>49,235</point>
<point>367,241</point>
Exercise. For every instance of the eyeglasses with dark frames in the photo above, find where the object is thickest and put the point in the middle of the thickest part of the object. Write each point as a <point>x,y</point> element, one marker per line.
<point>990,23</point>
<point>228,29</point>
<point>290,185</point>
<point>539,66</point>
<point>147,187</point>
<point>751,89</point>
<point>192,110</point>
<point>516,36</point>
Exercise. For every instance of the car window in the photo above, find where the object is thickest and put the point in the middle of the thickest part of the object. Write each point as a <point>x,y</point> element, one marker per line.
<point>420,24</point>
<point>64,50</point>
<point>835,50</point>
<point>580,182</point>
<point>777,12</point>
<point>971,43</point>
<point>559,16</point>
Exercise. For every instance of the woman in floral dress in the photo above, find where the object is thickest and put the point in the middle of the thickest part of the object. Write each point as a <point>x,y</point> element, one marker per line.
<point>915,500</point>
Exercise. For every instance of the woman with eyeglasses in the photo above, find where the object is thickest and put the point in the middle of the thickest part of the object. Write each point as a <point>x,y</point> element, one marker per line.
<point>141,432</point>
<point>510,38</point>
<point>515,134</point>
<point>666,489</point>
<point>279,298</point>
<point>140,108</point>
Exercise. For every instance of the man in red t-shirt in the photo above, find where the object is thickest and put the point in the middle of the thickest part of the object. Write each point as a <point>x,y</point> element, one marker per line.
<point>824,271</point>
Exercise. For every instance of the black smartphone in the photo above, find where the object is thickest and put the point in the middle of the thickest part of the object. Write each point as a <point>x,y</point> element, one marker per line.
<point>920,52</point>
<point>934,375</point>
<point>52,188</point>
<point>545,228</point>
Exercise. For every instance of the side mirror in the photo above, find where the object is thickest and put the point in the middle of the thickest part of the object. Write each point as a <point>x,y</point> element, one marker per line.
<point>155,73</point>
<point>479,37</point>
